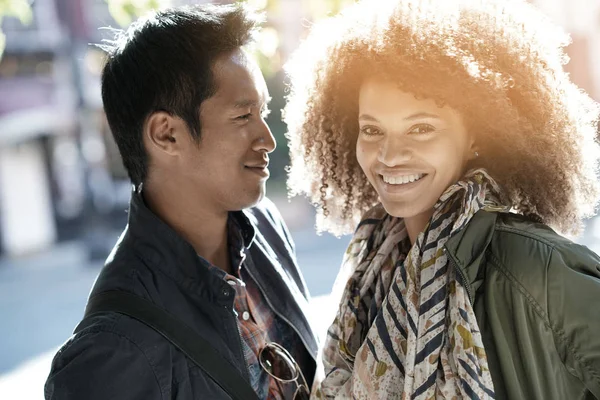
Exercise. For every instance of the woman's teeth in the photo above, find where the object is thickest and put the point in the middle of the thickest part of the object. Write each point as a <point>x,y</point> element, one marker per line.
<point>401,180</point>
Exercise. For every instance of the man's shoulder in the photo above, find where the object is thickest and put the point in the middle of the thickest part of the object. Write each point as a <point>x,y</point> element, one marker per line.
<point>101,349</point>
<point>103,330</point>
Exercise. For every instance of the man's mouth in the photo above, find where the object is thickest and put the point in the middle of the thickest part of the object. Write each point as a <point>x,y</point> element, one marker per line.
<point>259,166</point>
<point>261,163</point>
<point>261,169</point>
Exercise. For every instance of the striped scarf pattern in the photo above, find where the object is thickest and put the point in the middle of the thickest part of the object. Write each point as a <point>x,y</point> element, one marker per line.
<point>405,328</point>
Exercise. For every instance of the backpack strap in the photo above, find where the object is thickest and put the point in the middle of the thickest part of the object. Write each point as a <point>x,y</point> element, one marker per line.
<point>195,347</point>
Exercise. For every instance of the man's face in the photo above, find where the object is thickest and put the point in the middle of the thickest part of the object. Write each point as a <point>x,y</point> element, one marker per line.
<point>229,166</point>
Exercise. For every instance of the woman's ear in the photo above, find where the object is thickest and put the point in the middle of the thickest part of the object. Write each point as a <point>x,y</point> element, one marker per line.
<point>473,148</point>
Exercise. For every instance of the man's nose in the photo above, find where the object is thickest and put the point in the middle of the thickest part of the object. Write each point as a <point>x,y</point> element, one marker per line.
<point>265,140</point>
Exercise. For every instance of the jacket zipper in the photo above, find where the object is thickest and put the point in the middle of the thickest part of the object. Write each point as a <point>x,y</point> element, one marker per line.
<point>278,314</point>
<point>463,278</point>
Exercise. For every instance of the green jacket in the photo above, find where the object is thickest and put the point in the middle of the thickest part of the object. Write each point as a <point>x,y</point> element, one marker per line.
<point>536,296</point>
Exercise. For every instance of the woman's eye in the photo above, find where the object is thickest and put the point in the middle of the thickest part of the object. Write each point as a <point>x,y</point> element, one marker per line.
<point>421,129</point>
<point>370,130</point>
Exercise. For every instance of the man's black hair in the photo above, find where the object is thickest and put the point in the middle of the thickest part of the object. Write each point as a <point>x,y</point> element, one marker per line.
<point>164,62</point>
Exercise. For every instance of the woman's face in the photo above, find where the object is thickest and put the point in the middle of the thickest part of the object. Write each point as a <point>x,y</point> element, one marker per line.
<point>410,150</point>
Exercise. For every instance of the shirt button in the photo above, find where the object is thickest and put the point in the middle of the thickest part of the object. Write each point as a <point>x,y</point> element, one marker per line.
<point>225,292</point>
<point>246,315</point>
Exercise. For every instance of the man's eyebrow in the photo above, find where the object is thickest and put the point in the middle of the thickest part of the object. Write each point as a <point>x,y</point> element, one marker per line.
<point>250,103</point>
<point>245,103</point>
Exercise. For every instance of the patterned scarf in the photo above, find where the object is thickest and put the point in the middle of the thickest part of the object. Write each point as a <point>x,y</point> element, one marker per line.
<point>405,328</point>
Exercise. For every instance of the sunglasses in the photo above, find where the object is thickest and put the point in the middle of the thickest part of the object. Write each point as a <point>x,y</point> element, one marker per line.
<point>278,363</point>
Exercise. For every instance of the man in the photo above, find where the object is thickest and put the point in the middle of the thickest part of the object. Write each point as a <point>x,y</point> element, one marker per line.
<point>185,105</point>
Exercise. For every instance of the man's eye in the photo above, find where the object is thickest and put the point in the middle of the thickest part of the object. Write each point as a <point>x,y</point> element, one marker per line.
<point>370,130</point>
<point>421,129</point>
<point>244,117</point>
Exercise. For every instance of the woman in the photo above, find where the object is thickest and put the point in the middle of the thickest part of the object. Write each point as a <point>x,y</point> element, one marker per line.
<point>449,136</point>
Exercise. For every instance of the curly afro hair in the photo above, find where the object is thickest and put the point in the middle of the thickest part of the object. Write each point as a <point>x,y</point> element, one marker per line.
<point>498,62</point>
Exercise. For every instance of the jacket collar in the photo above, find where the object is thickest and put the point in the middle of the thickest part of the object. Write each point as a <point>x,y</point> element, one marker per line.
<point>466,249</point>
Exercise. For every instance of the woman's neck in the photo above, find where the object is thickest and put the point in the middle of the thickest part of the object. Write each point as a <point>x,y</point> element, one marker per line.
<point>416,224</point>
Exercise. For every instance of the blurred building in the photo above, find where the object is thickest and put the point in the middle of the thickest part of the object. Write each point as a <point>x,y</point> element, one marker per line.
<point>53,155</point>
<point>37,107</point>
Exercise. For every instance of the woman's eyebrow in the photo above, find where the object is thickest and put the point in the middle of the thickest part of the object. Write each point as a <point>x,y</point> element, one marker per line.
<point>367,117</point>
<point>420,115</point>
<point>412,117</point>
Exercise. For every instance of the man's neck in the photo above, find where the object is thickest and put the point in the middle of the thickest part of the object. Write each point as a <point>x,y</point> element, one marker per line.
<point>204,228</point>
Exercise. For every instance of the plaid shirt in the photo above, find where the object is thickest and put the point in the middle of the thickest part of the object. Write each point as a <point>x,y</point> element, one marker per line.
<point>258,324</point>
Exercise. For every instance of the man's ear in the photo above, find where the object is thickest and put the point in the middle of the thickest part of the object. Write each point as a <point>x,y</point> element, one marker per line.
<point>164,133</point>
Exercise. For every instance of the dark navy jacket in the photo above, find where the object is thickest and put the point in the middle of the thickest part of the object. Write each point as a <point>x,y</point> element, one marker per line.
<point>117,357</point>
